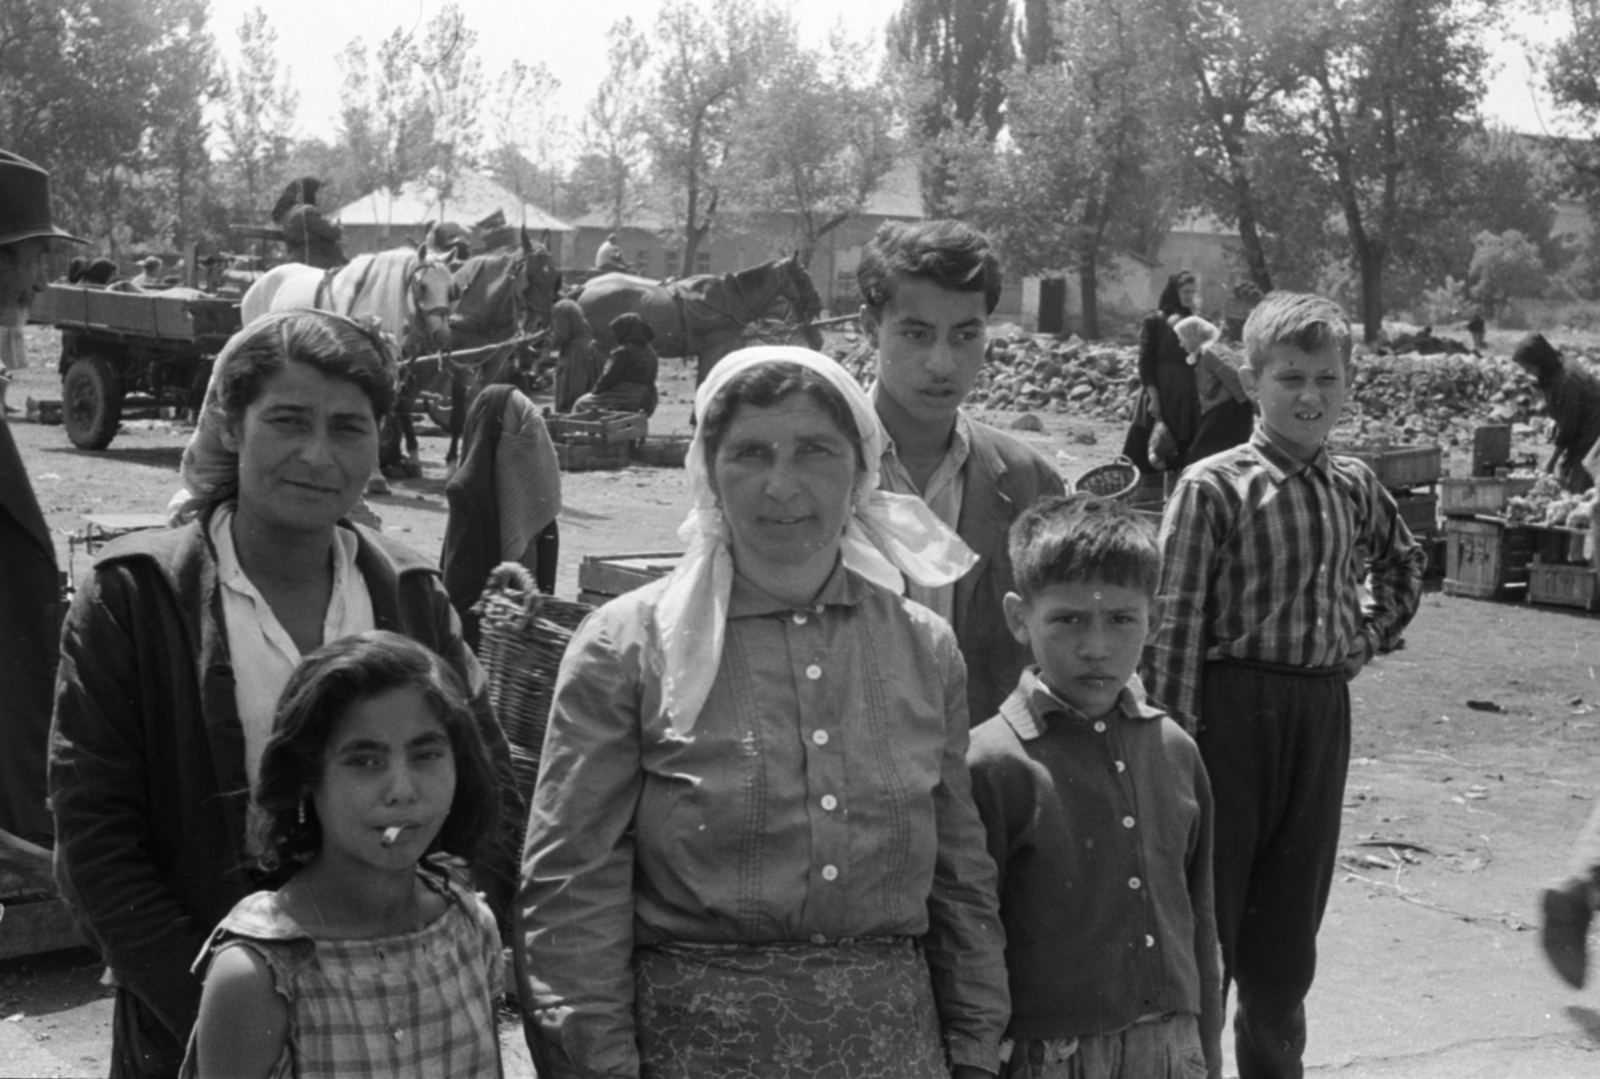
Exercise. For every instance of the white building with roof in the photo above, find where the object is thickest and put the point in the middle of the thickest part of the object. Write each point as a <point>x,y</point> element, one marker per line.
<point>382,219</point>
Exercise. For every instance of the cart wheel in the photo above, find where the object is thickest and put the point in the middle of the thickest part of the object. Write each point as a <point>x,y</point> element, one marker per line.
<point>91,402</point>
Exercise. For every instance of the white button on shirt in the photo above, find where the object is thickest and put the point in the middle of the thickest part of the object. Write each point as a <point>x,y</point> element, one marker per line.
<point>813,672</point>
<point>829,802</point>
<point>1134,882</point>
<point>820,737</point>
<point>1100,726</point>
<point>830,872</point>
<point>1127,822</point>
<point>800,618</point>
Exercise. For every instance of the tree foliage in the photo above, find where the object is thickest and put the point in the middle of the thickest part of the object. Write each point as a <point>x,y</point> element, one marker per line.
<point>958,52</point>
<point>615,129</point>
<point>105,94</point>
<point>1390,95</point>
<point>813,141</point>
<point>708,57</point>
<point>1087,169</point>
<point>260,103</point>
<point>1505,265</point>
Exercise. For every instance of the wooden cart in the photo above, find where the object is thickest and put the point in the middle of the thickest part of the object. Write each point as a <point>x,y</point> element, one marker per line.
<point>117,343</point>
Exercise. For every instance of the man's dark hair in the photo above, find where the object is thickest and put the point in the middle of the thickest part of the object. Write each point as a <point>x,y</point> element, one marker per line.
<point>951,254</point>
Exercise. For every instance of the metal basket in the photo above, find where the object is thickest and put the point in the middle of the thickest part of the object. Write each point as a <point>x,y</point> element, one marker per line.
<point>522,637</point>
<point>1118,480</point>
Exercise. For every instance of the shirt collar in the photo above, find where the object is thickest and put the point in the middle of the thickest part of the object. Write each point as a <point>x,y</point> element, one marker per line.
<point>956,455</point>
<point>232,576</point>
<point>1279,465</point>
<point>1029,709</point>
<point>749,600</point>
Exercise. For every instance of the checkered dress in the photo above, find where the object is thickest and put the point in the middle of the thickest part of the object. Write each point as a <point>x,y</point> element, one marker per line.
<point>417,1004</point>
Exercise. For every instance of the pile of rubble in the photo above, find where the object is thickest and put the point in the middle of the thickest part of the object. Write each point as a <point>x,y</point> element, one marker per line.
<point>1408,398</point>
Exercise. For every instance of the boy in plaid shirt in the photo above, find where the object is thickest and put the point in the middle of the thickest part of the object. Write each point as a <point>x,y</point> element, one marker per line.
<point>1262,623</point>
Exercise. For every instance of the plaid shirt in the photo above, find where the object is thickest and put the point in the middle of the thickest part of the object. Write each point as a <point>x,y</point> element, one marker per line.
<point>1264,558</point>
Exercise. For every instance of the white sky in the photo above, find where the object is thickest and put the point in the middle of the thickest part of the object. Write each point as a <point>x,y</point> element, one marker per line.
<point>568,37</point>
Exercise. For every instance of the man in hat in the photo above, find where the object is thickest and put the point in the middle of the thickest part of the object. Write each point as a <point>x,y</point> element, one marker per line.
<point>609,257</point>
<point>149,273</point>
<point>30,595</point>
<point>309,238</point>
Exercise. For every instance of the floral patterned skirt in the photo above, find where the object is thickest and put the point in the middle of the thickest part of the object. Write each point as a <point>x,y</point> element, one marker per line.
<point>848,1009</point>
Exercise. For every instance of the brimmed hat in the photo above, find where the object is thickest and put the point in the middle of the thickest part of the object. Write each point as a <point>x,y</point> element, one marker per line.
<point>25,202</point>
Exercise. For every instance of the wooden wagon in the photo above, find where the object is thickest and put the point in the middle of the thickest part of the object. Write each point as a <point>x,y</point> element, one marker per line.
<point>116,343</point>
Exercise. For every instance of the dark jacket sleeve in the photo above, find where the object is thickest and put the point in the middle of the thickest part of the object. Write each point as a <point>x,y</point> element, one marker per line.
<point>98,784</point>
<point>495,866</point>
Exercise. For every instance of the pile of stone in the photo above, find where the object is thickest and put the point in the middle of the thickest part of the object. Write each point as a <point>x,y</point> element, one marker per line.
<point>1407,398</point>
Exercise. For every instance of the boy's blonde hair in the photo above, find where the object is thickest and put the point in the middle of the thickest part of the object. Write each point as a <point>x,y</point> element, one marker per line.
<point>1302,320</point>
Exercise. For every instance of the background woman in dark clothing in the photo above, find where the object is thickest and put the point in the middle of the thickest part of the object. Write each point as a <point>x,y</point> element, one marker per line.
<point>628,384</point>
<point>1170,397</point>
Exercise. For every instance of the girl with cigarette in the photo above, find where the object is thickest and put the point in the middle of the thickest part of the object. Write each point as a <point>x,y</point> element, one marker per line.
<point>372,957</point>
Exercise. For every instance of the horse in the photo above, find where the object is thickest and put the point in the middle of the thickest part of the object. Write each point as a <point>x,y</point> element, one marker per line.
<point>704,316</point>
<point>409,292</point>
<point>504,294</point>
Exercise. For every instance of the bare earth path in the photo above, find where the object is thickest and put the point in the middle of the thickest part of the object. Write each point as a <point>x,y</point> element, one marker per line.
<point>1456,813</point>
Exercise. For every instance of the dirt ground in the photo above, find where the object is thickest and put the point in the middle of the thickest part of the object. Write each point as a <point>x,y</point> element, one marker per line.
<point>1476,758</point>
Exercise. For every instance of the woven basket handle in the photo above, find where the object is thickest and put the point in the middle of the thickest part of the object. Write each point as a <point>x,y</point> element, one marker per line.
<point>511,576</point>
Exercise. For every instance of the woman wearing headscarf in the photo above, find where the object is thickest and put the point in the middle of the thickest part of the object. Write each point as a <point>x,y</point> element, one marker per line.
<point>180,641</point>
<point>628,383</point>
<point>309,238</point>
<point>1168,415</point>
<point>1572,400</point>
<point>503,501</point>
<point>578,359</point>
<point>753,837</point>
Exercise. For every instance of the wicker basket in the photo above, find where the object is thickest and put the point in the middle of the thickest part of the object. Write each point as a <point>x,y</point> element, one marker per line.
<point>1119,479</point>
<point>523,636</point>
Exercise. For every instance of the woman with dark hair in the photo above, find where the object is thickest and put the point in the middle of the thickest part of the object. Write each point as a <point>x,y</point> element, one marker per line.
<point>1167,416</point>
<point>179,643</point>
<point>628,383</point>
<point>309,238</point>
<point>753,837</point>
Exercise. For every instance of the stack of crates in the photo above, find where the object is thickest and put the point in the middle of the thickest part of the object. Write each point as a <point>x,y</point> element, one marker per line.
<point>598,440</point>
<point>1411,474</point>
<point>1486,557</point>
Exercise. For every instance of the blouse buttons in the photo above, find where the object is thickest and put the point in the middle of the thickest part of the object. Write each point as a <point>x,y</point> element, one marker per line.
<point>1127,822</point>
<point>800,618</point>
<point>1149,941</point>
<point>1100,726</point>
<point>1121,767</point>
<point>820,737</point>
<point>830,872</point>
<point>1133,882</point>
<point>829,802</point>
<point>813,672</point>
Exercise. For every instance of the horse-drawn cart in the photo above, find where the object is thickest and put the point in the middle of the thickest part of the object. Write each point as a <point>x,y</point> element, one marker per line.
<point>117,343</point>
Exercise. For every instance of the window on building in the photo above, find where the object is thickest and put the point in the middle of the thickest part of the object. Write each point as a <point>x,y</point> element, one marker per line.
<point>641,261</point>
<point>702,262</point>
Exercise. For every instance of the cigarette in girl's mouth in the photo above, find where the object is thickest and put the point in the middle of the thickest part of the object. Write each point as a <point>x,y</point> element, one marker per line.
<point>391,834</point>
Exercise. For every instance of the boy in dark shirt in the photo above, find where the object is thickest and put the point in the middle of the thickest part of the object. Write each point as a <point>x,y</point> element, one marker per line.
<point>1098,815</point>
<point>1284,570</point>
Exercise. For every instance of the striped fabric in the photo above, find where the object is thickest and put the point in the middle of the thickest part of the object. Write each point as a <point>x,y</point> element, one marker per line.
<point>1265,558</point>
<point>419,1004</point>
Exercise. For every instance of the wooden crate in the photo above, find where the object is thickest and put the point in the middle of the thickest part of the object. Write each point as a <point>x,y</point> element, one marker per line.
<point>1563,585</point>
<point>1486,559</point>
<point>1399,467</point>
<point>1471,497</point>
<point>1420,512</point>
<point>603,577</point>
<point>605,428</point>
<point>591,457</point>
<point>667,451</point>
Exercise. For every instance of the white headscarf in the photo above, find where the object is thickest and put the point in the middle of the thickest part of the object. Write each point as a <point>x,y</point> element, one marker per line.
<point>886,535</point>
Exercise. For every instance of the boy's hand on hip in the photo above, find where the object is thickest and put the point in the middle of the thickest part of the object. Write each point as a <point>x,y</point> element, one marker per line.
<point>1357,659</point>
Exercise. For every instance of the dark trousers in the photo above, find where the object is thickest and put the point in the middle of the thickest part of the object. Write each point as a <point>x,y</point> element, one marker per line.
<point>142,1045</point>
<point>1276,745</point>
